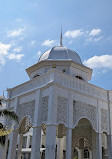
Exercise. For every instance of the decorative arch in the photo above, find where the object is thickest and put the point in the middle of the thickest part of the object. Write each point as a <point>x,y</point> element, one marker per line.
<point>87,142</point>
<point>82,131</point>
<point>24,125</point>
<point>61,130</point>
<point>83,110</point>
<point>85,117</point>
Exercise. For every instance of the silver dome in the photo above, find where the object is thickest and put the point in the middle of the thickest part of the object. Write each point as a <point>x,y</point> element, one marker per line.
<point>60,53</point>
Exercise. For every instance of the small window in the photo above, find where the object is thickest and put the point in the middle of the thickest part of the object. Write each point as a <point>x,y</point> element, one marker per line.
<point>86,153</point>
<point>79,77</point>
<point>36,76</point>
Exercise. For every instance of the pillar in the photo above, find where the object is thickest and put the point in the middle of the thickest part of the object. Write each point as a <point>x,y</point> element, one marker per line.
<point>93,144</point>
<point>36,138</point>
<point>20,146</point>
<point>60,148</point>
<point>13,136</point>
<point>109,146</point>
<point>12,145</point>
<point>36,141</point>
<point>109,137</point>
<point>69,143</point>
<point>99,146</point>
<point>28,141</point>
<point>81,148</point>
<point>81,154</point>
<point>50,142</point>
<point>90,154</point>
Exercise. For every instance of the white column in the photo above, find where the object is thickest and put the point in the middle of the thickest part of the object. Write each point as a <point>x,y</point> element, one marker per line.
<point>109,137</point>
<point>35,152</point>
<point>12,145</point>
<point>90,154</point>
<point>109,146</point>
<point>51,122</point>
<point>99,146</point>
<point>69,143</point>
<point>36,138</point>
<point>28,141</point>
<point>93,144</point>
<point>20,146</point>
<point>13,137</point>
<point>81,147</point>
<point>50,142</point>
<point>60,148</point>
<point>81,154</point>
<point>98,134</point>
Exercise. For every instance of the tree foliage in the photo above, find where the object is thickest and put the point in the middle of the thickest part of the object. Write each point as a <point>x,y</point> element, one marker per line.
<point>11,115</point>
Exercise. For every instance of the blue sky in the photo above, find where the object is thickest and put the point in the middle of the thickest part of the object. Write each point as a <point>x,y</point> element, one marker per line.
<point>29,28</point>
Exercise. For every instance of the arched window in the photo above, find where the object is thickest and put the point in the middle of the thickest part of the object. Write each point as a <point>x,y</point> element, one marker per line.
<point>37,75</point>
<point>86,154</point>
<point>79,77</point>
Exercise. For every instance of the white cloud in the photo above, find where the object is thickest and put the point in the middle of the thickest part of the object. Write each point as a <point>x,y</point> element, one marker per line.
<point>15,33</point>
<point>15,56</point>
<point>95,32</point>
<point>5,53</point>
<point>73,33</point>
<point>70,42</point>
<point>18,49</point>
<point>4,48</point>
<point>33,42</point>
<point>39,53</point>
<point>98,39</point>
<point>103,61</point>
<point>92,39</point>
<point>48,43</point>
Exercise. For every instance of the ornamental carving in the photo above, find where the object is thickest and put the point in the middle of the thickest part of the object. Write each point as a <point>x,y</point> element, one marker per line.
<point>104,120</point>
<point>61,131</point>
<point>82,110</point>
<point>25,125</point>
<point>26,109</point>
<point>43,114</point>
<point>82,132</point>
<point>44,128</point>
<point>62,110</point>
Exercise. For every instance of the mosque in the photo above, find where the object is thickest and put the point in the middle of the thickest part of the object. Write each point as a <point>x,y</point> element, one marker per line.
<point>61,115</point>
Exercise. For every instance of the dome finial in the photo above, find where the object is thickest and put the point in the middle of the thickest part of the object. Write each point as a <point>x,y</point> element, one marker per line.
<point>61,38</point>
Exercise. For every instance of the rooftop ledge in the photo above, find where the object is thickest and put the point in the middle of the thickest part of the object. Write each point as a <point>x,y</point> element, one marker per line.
<point>63,79</point>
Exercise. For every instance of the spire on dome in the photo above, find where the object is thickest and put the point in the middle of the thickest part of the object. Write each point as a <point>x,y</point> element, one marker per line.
<point>61,38</point>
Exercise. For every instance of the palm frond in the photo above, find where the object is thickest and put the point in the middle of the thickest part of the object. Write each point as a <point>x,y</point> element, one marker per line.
<point>2,138</point>
<point>9,113</point>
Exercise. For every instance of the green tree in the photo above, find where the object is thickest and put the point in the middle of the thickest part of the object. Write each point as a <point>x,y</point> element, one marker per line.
<point>6,113</point>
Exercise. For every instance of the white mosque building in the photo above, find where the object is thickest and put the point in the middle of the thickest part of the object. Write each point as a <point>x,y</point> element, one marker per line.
<point>62,115</point>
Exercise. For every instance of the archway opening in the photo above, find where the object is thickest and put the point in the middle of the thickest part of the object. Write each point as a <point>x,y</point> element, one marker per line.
<point>24,138</point>
<point>82,139</point>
